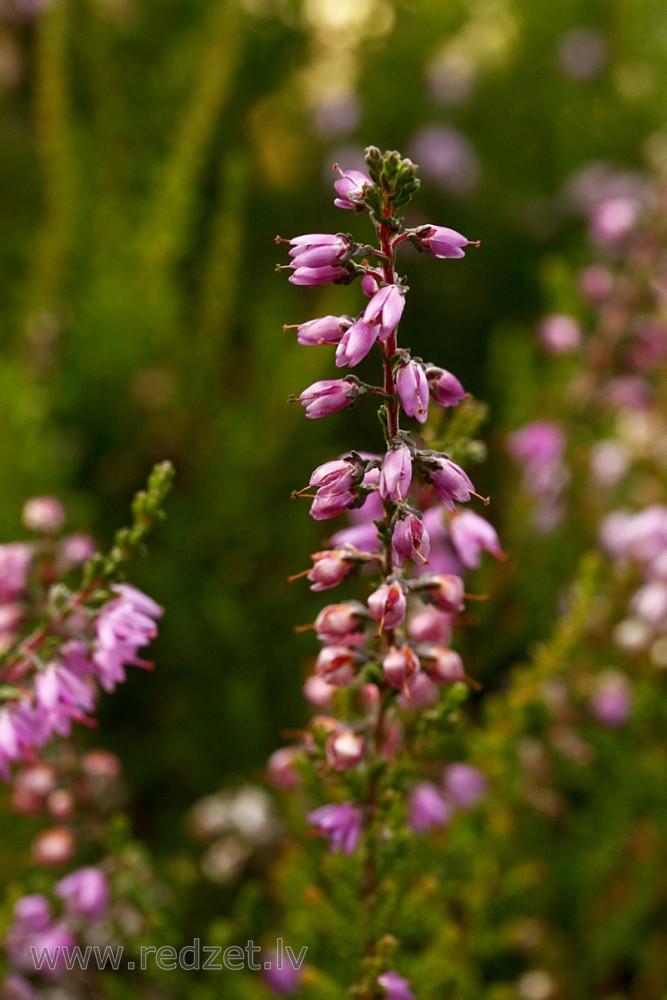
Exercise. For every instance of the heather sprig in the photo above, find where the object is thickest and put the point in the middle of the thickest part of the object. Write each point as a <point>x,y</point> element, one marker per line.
<point>386,661</point>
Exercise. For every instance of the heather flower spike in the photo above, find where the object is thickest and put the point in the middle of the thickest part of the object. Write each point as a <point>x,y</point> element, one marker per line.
<point>389,651</point>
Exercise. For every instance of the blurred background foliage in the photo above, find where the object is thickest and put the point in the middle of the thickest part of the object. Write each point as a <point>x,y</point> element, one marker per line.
<point>149,153</point>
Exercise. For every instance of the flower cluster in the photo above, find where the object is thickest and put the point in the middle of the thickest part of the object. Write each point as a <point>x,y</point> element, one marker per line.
<point>388,656</point>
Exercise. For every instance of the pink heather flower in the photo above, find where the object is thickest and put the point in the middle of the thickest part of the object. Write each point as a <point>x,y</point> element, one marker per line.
<point>430,625</point>
<point>350,189</point>
<point>387,605</point>
<point>451,483</point>
<point>465,784</point>
<point>61,698</point>
<point>444,243</point>
<point>282,769</point>
<point>396,473</point>
<point>77,549</point>
<point>412,388</point>
<point>420,692</point>
<point>355,343</point>
<point>15,559</point>
<point>397,988</point>
<point>54,847</point>
<point>312,276</point>
<point>537,444</point>
<point>318,692</point>
<point>328,396</point>
<point>369,285</point>
<point>326,330</point>
<point>345,749</point>
<point>337,621</point>
<point>611,700</point>
<point>612,220</point>
<point>280,976</point>
<point>123,626</point>
<point>445,387</point>
<point>650,603</point>
<point>560,334</point>
<point>318,250</point>
<point>444,666</point>
<point>341,823</point>
<point>43,514</point>
<point>470,535</point>
<point>337,476</point>
<point>410,540</point>
<point>330,568</point>
<point>427,808</point>
<point>336,665</point>
<point>385,309</point>
<point>85,893</point>
<point>445,591</point>
<point>32,913</point>
<point>53,941</point>
<point>400,665</point>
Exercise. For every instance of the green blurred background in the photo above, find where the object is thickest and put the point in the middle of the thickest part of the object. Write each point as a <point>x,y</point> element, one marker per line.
<point>150,151</point>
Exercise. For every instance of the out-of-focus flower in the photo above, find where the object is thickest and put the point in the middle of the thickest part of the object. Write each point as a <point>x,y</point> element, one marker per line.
<point>446,156</point>
<point>427,807</point>
<point>560,334</point>
<point>611,701</point>
<point>341,823</point>
<point>582,53</point>
<point>464,784</point>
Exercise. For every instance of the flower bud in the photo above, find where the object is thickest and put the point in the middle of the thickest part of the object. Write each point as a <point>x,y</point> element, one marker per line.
<point>345,749</point>
<point>350,189</point>
<point>45,515</point>
<point>444,666</point>
<point>445,387</point>
<point>318,692</point>
<point>443,242</point>
<point>387,605</point>
<point>319,250</point>
<point>281,767</point>
<point>330,568</point>
<point>430,625</point>
<point>396,473</point>
<point>446,592</point>
<point>326,330</point>
<point>355,344</point>
<point>427,808</point>
<point>337,665</point>
<point>328,396</point>
<point>399,665</point>
<point>385,310</point>
<point>337,621</point>
<point>410,540</point>
<point>53,847</point>
<point>450,481</point>
<point>312,276</point>
<point>412,388</point>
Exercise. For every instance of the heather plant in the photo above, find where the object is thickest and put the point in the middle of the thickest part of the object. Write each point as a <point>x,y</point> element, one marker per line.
<point>387,681</point>
<point>70,627</point>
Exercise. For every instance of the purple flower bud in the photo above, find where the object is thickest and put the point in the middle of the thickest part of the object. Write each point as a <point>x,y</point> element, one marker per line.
<point>399,665</point>
<point>465,784</point>
<point>611,701</point>
<point>450,481</point>
<point>318,250</point>
<point>396,473</point>
<point>328,396</point>
<point>430,625</point>
<point>326,330</point>
<point>444,666</point>
<point>341,823</point>
<point>445,591</point>
<point>445,387</point>
<point>282,769</point>
<point>387,605</point>
<point>312,276</point>
<point>336,476</point>
<point>385,308</point>
<point>330,568</point>
<point>85,893</point>
<point>412,387</point>
<point>32,913</point>
<point>355,344</point>
<point>410,540</point>
<point>43,514</point>
<point>420,692</point>
<point>444,243</point>
<point>397,988</point>
<point>336,665</point>
<point>280,976</point>
<point>559,334</point>
<point>470,534</point>
<point>350,188</point>
<point>337,621</point>
<point>345,749</point>
<point>427,808</point>
<point>327,505</point>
